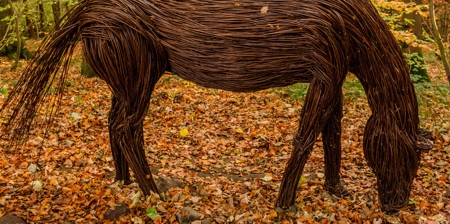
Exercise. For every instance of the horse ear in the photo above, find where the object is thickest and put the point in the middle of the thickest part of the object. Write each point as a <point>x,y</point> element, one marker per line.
<point>424,140</point>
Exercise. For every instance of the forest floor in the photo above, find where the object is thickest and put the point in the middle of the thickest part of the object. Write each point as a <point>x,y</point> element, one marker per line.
<point>228,150</point>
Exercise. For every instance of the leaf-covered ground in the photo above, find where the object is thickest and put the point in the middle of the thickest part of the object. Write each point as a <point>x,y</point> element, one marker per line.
<point>229,150</point>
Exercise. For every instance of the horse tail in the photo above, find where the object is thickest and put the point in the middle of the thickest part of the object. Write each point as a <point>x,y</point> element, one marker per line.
<point>45,73</point>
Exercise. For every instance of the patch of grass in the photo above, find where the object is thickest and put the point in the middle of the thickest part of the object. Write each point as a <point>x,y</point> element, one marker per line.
<point>79,100</point>
<point>76,61</point>
<point>427,92</point>
<point>297,91</point>
<point>434,101</point>
<point>352,89</point>
<point>69,84</point>
<point>168,77</point>
<point>432,98</point>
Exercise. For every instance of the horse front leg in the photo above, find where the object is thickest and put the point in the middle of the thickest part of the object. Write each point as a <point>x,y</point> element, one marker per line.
<point>331,137</point>
<point>319,105</point>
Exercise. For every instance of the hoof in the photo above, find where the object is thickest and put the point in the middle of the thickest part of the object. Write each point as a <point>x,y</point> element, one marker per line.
<point>339,191</point>
<point>389,210</point>
<point>286,213</point>
<point>125,182</point>
<point>292,209</point>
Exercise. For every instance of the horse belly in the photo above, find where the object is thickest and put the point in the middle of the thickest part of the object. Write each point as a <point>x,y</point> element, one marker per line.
<point>221,44</point>
<point>236,74</point>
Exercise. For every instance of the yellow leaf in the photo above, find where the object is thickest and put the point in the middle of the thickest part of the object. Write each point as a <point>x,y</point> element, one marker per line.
<point>272,214</point>
<point>239,130</point>
<point>240,160</point>
<point>87,186</point>
<point>184,132</point>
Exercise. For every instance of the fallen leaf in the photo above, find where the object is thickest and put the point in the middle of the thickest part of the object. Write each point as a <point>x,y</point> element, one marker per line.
<point>151,212</point>
<point>37,185</point>
<point>184,132</point>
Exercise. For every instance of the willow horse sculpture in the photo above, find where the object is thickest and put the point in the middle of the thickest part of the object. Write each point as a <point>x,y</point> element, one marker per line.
<point>240,46</point>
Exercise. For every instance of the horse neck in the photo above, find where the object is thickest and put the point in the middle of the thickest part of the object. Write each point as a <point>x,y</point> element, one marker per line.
<point>379,64</point>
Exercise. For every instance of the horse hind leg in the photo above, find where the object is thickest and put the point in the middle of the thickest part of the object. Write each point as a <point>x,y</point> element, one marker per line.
<point>121,164</point>
<point>130,64</point>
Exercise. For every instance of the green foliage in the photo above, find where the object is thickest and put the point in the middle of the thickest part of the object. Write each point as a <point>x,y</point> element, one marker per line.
<point>398,15</point>
<point>418,70</point>
<point>10,51</point>
<point>393,12</point>
<point>26,10</point>
<point>33,13</point>
<point>4,90</point>
<point>11,38</point>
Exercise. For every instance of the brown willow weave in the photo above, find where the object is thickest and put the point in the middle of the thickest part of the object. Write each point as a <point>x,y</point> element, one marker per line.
<point>240,46</point>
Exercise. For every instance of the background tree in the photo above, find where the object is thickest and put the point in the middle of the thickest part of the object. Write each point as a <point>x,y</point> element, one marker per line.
<point>16,11</point>
<point>439,42</point>
<point>41,11</point>
<point>442,9</point>
<point>5,23</point>
<point>30,25</point>
<point>56,8</point>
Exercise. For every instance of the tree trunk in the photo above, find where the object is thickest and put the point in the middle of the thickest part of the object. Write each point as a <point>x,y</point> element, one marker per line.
<point>64,6</point>
<point>30,29</point>
<point>416,27</point>
<point>18,34</point>
<point>41,16</point>
<point>439,40</point>
<point>16,12</point>
<point>56,8</point>
<point>442,13</point>
<point>418,70</point>
<point>4,25</point>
